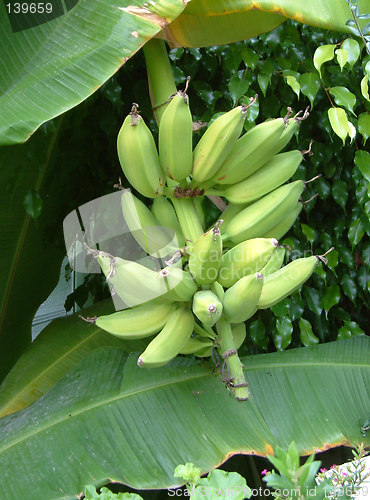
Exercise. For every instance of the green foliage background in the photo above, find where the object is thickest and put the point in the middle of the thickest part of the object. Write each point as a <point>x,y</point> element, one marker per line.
<point>333,303</point>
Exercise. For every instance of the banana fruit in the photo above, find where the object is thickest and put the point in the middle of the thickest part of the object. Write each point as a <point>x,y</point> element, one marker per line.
<point>180,284</point>
<point>198,346</point>
<point>250,152</point>
<point>145,228</point>
<point>170,340</point>
<point>270,176</point>
<point>275,262</point>
<point>137,322</point>
<point>216,143</point>
<point>207,307</point>
<point>163,211</point>
<point>138,156</point>
<point>132,282</point>
<point>257,219</point>
<point>240,301</point>
<point>205,257</point>
<point>245,258</point>
<point>286,280</point>
<point>283,226</point>
<point>175,138</point>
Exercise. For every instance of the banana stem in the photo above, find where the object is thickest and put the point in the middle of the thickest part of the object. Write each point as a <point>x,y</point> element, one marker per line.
<point>188,219</point>
<point>161,81</point>
<point>230,356</point>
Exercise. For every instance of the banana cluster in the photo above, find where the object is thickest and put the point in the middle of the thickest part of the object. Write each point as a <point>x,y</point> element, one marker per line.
<point>216,278</point>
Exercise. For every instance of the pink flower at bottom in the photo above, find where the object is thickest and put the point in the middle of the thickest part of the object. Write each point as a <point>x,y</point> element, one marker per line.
<point>323,470</point>
<point>264,472</point>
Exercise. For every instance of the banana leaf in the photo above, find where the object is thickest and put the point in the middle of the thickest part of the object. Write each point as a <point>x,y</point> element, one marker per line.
<point>63,344</point>
<point>109,420</point>
<point>205,22</point>
<point>51,67</point>
<point>30,257</point>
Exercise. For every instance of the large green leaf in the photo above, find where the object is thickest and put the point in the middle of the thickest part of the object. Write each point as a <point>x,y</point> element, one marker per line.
<point>110,420</point>
<point>49,68</point>
<point>63,344</point>
<point>29,257</point>
<point>205,22</point>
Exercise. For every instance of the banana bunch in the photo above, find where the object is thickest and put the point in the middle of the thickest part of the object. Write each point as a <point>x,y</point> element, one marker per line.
<point>213,278</point>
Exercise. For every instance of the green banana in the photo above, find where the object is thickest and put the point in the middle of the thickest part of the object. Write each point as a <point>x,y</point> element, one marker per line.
<point>216,143</point>
<point>175,138</point>
<point>207,307</point>
<point>181,286</point>
<point>250,152</point>
<point>239,332</point>
<point>145,228</point>
<point>205,257</point>
<point>245,258</point>
<point>283,226</point>
<point>165,214</point>
<point>189,220</point>
<point>138,322</point>
<point>286,280</point>
<point>138,156</point>
<point>199,346</point>
<point>270,176</point>
<point>240,301</point>
<point>264,214</point>
<point>291,127</point>
<point>132,282</point>
<point>217,289</point>
<point>275,262</point>
<point>170,340</point>
<point>198,203</point>
<point>229,213</point>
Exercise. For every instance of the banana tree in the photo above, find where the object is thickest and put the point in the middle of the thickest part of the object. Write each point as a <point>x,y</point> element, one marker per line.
<point>67,56</point>
<point>101,400</point>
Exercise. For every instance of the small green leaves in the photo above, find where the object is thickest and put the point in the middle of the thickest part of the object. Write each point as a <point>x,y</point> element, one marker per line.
<point>365,87</point>
<point>188,472</point>
<point>362,161</point>
<point>353,50</point>
<point>210,486</point>
<point>313,299</point>
<point>105,494</point>
<point>331,297</point>
<point>342,57</point>
<point>220,480</point>
<point>364,126</point>
<point>339,123</point>
<point>356,232</point>
<point>349,329</point>
<point>308,232</point>
<point>343,97</point>
<point>340,193</point>
<point>237,87</point>
<point>293,83</point>
<point>33,204</point>
<point>306,334</point>
<point>257,333</point>
<point>349,287</point>
<point>310,85</point>
<point>323,54</point>
<point>283,334</point>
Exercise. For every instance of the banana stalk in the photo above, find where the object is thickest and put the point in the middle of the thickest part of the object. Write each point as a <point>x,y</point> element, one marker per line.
<point>230,355</point>
<point>188,219</point>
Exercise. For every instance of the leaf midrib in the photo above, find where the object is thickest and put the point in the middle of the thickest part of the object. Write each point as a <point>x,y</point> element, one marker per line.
<point>47,370</point>
<point>123,395</point>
